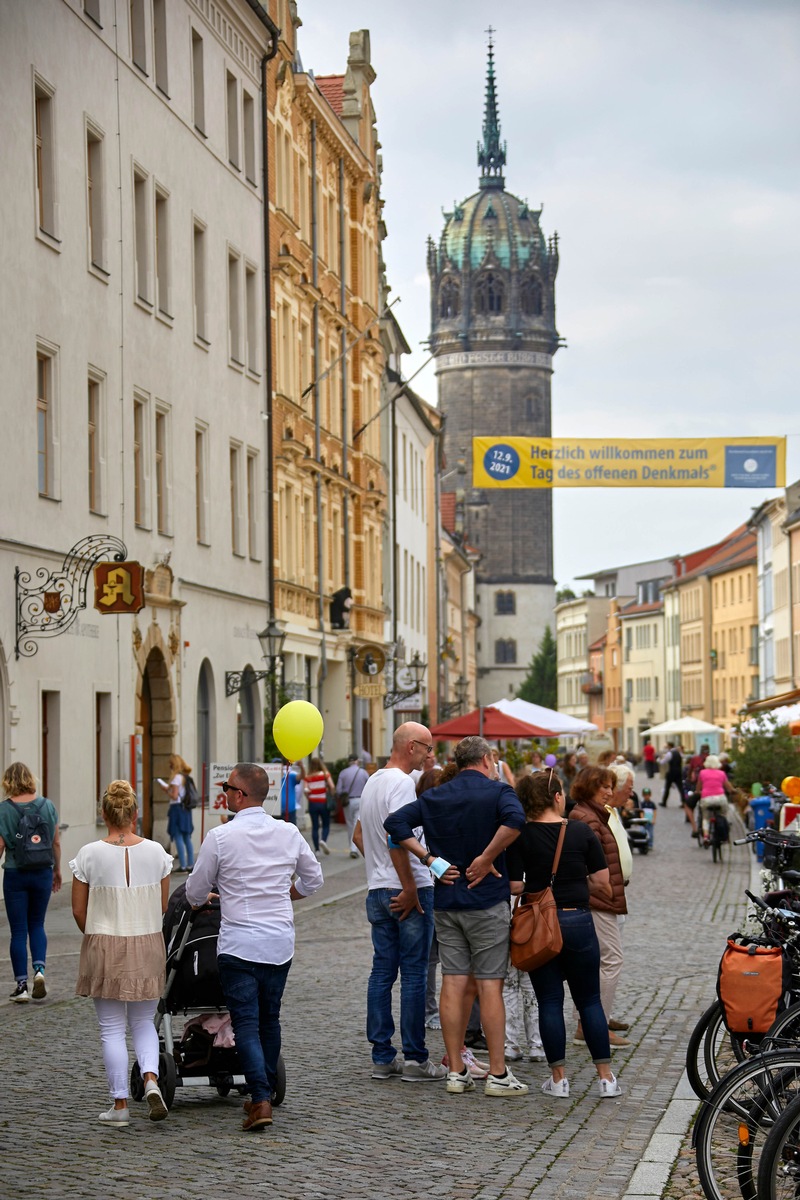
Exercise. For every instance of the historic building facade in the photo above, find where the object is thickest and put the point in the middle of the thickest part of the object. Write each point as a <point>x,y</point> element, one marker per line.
<point>494,335</point>
<point>134,381</point>
<point>330,492</point>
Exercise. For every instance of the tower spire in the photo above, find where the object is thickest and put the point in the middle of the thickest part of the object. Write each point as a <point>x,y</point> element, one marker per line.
<point>491,153</point>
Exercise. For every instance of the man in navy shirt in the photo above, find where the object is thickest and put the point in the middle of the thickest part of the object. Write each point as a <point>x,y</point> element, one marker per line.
<point>468,823</point>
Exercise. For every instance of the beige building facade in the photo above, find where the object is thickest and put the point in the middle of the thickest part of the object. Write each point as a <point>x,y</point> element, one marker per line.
<point>578,624</point>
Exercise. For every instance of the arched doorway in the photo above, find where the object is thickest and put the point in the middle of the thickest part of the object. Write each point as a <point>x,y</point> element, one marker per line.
<point>249,746</point>
<point>158,733</point>
<point>206,726</point>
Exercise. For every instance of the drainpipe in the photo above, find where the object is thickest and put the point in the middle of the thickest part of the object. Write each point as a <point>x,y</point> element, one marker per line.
<point>395,546</point>
<point>343,352</point>
<point>323,657</point>
<point>274,33</point>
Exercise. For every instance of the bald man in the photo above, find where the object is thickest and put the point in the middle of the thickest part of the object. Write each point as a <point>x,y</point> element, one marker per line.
<point>400,913</point>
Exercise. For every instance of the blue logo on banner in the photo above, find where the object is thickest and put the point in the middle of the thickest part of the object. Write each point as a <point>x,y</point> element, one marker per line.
<point>751,466</point>
<point>501,461</point>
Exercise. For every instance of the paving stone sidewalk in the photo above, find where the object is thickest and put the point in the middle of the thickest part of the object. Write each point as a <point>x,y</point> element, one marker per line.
<point>339,1134</point>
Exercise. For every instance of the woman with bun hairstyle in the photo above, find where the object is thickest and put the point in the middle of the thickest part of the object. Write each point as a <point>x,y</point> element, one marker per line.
<point>120,888</point>
<point>180,825</point>
<point>27,891</point>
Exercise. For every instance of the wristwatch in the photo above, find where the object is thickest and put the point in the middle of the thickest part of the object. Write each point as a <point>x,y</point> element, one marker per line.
<point>426,860</point>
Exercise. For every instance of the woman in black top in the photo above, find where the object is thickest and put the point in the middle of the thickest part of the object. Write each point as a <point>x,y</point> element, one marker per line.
<point>582,870</point>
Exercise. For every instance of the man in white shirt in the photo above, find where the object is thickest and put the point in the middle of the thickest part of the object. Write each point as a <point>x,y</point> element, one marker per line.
<point>250,862</point>
<point>400,912</point>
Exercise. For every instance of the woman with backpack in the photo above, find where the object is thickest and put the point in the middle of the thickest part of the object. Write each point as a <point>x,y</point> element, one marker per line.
<point>180,825</point>
<point>30,840</point>
<point>120,888</point>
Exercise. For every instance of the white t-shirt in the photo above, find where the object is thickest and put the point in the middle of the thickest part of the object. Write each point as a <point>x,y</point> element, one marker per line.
<point>385,792</point>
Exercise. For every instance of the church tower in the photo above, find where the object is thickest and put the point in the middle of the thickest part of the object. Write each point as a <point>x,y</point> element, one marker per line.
<point>493,333</point>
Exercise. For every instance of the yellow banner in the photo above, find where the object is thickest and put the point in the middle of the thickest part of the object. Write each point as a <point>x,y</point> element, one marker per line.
<point>520,462</point>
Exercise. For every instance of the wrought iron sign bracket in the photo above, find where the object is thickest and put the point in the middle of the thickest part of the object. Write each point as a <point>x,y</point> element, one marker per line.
<point>48,604</point>
<point>236,680</point>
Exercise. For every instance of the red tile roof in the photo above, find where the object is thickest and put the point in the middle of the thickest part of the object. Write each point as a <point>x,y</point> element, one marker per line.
<point>736,550</point>
<point>600,643</point>
<point>447,510</point>
<point>634,610</point>
<point>332,88</point>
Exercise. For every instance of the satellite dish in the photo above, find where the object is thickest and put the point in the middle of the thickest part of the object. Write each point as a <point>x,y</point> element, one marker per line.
<point>370,660</point>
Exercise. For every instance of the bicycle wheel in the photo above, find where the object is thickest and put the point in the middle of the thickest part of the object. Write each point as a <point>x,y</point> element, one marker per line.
<point>730,1132</point>
<point>786,1024</point>
<point>779,1168</point>
<point>696,1069</point>
<point>712,1052</point>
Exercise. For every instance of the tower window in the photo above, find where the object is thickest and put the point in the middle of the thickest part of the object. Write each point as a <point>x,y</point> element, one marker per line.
<point>505,650</point>
<point>449,299</point>
<point>489,294</point>
<point>530,297</point>
<point>505,604</point>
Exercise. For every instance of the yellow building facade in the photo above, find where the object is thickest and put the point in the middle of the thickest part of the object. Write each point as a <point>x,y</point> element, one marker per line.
<point>329,494</point>
<point>734,641</point>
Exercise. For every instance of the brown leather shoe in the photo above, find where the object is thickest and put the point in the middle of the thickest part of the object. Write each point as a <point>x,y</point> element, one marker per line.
<point>258,1115</point>
<point>618,1026</point>
<point>616,1040</point>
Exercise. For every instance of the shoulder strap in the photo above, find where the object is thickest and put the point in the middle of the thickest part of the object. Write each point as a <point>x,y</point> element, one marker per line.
<point>559,846</point>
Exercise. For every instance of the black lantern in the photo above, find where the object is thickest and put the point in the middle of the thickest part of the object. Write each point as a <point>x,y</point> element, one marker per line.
<point>271,640</point>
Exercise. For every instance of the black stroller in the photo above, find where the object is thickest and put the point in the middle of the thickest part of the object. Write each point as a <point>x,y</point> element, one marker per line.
<point>193,990</point>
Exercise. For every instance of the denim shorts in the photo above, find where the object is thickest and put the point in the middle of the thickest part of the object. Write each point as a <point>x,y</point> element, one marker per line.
<point>474,941</point>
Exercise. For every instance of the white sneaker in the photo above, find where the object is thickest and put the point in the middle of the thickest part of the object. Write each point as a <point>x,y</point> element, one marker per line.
<point>116,1116</point>
<point>155,1101</point>
<point>513,1055</point>
<point>324,846</point>
<point>457,1083</point>
<point>20,994</point>
<point>608,1088</point>
<point>39,988</point>
<point>537,1054</point>
<point>433,1022</point>
<point>504,1085</point>
<point>387,1070</point>
<point>560,1089</point>
<point>422,1072</point>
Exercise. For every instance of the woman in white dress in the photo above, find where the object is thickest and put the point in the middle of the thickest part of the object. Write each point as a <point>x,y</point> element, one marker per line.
<point>120,889</point>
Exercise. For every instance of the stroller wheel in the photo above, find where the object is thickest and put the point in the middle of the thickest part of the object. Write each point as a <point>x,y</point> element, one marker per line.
<point>280,1083</point>
<point>223,1084</point>
<point>137,1083</point>
<point>167,1077</point>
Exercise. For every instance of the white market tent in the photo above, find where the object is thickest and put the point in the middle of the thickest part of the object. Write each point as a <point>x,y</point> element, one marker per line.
<point>545,718</point>
<point>685,725</point>
<point>787,714</point>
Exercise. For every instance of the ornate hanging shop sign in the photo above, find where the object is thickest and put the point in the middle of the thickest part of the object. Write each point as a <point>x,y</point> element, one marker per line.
<point>47,602</point>
<point>521,462</point>
<point>119,587</point>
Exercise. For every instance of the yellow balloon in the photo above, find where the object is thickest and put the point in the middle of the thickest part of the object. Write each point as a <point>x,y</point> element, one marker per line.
<point>786,783</point>
<point>297,729</point>
<point>791,787</point>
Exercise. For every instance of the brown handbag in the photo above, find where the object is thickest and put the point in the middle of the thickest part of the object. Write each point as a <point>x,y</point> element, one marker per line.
<point>535,931</point>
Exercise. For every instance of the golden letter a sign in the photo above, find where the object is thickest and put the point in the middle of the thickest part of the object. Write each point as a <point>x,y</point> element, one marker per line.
<point>520,462</point>
<point>119,587</point>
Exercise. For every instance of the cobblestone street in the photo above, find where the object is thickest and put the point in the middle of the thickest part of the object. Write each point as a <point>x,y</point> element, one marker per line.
<point>339,1134</point>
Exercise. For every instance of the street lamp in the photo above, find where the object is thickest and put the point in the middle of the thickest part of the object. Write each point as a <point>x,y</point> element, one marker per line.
<point>461,689</point>
<point>416,669</point>
<point>271,641</point>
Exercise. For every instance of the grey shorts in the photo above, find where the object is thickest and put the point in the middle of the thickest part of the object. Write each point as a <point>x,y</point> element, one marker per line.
<point>474,941</point>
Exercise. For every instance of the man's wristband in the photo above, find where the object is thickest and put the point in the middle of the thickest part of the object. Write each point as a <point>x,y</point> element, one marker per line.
<point>427,859</point>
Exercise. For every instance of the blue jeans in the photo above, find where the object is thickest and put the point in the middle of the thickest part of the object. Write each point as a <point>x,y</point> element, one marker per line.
<point>253,993</point>
<point>185,849</point>
<point>319,812</point>
<point>401,946</point>
<point>27,894</point>
<point>578,965</point>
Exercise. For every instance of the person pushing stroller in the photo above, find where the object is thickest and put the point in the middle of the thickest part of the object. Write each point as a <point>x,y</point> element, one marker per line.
<point>250,863</point>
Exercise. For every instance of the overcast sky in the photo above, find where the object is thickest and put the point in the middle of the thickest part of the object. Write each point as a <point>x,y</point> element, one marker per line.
<point>662,138</point>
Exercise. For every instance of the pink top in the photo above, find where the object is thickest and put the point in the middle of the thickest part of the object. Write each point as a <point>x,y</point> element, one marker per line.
<point>712,782</point>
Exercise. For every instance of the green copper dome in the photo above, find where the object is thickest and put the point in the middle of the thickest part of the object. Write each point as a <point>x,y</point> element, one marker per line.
<point>496,224</point>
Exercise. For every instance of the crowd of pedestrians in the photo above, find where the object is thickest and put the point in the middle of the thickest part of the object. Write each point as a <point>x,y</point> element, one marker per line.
<point>445,849</point>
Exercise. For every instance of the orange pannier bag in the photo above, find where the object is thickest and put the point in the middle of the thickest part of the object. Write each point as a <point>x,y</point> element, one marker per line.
<point>750,985</point>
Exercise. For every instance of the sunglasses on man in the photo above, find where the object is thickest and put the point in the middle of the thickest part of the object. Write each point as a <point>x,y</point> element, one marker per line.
<point>231,787</point>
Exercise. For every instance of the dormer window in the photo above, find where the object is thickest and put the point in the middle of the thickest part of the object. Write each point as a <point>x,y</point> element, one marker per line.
<point>449,299</point>
<point>489,295</point>
<point>530,298</point>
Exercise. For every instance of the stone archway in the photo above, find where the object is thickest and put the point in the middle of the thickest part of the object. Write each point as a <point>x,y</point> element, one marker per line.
<point>157,725</point>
